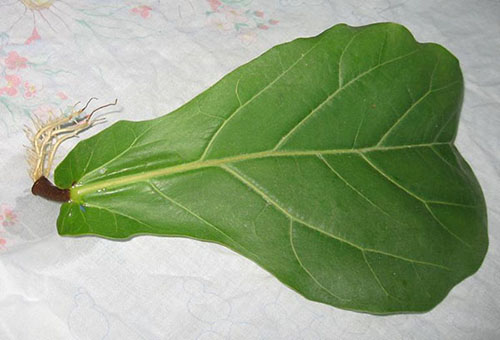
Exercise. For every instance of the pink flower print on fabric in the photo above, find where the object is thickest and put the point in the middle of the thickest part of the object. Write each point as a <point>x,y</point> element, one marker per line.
<point>214,4</point>
<point>7,216</point>
<point>13,82</point>
<point>62,95</point>
<point>29,90</point>
<point>3,243</point>
<point>34,36</point>
<point>144,11</point>
<point>14,61</point>
<point>232,16</point>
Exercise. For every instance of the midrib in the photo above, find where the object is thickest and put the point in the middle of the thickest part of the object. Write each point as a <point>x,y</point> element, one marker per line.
<point>80,190</point>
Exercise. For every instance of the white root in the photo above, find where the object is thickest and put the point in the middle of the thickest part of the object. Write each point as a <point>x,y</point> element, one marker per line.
<point>46,137</point>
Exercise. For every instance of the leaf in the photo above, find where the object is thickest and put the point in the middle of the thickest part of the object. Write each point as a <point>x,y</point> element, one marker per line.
<point>329,161</point>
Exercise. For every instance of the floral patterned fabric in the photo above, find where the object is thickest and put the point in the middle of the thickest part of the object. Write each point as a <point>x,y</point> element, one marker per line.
<point>154,56</point>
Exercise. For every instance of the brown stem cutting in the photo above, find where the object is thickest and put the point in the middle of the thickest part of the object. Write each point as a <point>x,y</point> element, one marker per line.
<point>44,188</point>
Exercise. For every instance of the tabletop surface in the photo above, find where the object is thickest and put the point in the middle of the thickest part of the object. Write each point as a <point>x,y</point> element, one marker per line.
<point>155,56</point>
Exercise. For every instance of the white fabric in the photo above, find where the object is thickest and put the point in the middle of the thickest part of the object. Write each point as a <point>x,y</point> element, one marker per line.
<point>154,56</point>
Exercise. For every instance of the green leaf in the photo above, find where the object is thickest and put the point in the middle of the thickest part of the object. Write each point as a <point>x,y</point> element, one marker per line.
<point>329,161</point>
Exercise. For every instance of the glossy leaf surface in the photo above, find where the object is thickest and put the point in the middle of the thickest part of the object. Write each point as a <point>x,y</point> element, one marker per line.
<point>329,161</point>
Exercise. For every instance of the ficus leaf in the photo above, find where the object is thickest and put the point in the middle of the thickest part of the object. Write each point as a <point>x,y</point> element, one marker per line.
<point>329,161</point>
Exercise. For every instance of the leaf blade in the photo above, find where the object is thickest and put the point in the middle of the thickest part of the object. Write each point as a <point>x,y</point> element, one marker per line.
<point>284,162</point>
